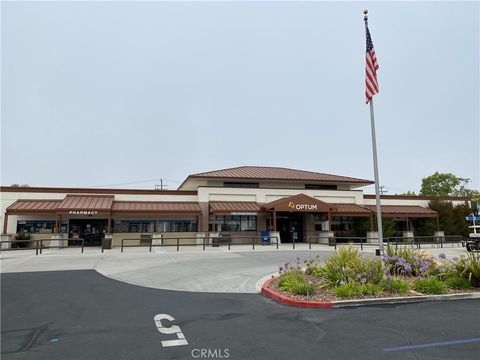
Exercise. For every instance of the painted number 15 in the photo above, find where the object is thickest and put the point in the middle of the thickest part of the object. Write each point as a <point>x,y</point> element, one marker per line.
<point>173,329</point>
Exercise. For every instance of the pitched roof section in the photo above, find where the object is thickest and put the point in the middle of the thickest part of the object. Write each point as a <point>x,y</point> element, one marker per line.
<point>234,206</point>
<point>20,206</point>
<point>351,209</point>
<point>86,202</point>
<point>275,173</point>
<point>156,207</point>
<point>404,210</point>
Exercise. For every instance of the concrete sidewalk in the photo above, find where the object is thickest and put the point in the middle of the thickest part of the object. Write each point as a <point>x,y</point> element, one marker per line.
<point>239,270</point>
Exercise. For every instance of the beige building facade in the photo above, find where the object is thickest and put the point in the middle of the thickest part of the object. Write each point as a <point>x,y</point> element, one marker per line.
<point>293,205</point>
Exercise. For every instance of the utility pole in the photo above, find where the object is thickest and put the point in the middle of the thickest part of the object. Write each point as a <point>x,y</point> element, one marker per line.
<point>161,186</point>
<point>383,191</point>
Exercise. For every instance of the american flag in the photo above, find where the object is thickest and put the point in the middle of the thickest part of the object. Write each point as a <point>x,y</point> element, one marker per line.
<point>371,84</point>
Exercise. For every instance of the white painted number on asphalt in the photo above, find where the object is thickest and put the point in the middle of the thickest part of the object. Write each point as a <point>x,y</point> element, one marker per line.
<point>174,329</point>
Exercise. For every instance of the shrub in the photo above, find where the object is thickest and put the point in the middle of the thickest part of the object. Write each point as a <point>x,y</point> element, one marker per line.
<point>429,285</point>
<point>371,289</point>
<point>369,271</point>
<point>303,288</point>
<point>312,267</point>
<point>289,277</point>
<point>457,282</point>
<point>407,261</point>
<point>295,282</point>
<point>396,285</point>
<point>18,243</point>
<point>348,265</point>
<point>353,289</point>
<point>468,268</point>
<point>348,290</point>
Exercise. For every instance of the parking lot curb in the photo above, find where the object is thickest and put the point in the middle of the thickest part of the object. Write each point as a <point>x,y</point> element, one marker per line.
<point>282,299</point>
<point>405,299</point>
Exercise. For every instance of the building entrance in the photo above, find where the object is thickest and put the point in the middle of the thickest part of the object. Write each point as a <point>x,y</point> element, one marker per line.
<point>92,231</point>
<point>290,225</point>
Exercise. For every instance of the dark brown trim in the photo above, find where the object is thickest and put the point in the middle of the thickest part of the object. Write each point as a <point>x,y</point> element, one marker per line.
<point>418,197</point>
<point>96,191</point>
<point>411,215</point>
<point>5,224</point>
<point>224,212</point>
<point>31,212</point>
<point>352,214</point>
<point>191,213</point>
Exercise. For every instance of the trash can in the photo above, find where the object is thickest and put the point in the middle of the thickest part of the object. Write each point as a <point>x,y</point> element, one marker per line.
<point>107,242</point>
<point>265,235</point>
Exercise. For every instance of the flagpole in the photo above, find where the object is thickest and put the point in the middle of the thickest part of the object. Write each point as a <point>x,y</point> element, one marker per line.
<point>375,165</point>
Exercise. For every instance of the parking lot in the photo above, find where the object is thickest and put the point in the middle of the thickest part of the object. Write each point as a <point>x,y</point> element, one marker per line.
<point>84,315</point>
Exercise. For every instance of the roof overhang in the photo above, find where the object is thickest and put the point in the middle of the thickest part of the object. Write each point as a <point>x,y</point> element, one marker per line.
<point>402,211</point>
<point>234,207</point>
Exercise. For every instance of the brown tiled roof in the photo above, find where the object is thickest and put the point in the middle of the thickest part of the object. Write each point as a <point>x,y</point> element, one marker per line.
<point>351,209</point>
<point>86,202</point>
<point>229,206</point>
<point>34,206</point>
<point>156,207</point>
<point>276,173</point>
<point>404,210</point>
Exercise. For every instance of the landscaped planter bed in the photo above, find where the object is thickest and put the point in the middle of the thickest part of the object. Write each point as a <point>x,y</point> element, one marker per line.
<point>327,295</point>
<point>348,276</point>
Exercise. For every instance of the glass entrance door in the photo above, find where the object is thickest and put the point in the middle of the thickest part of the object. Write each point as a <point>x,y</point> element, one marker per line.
<point>290,226</point>
<point>92,231</point>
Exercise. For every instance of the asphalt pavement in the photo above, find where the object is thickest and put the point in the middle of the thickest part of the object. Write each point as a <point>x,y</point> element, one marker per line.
<point>81,314</point>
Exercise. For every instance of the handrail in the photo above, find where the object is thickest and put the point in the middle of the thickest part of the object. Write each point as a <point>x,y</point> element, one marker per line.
<point>39,244</point>
<point>214,241</point>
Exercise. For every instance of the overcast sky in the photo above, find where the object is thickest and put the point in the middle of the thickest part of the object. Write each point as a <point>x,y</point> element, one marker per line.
<point>122,93</point>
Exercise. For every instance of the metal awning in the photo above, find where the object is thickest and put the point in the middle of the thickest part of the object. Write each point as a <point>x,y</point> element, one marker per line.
<point>229,207</point>
<point>413,211</point>
<point>155,207</point>
<point>33,206</point>
<point>351,210</point>
<point>86,203</point>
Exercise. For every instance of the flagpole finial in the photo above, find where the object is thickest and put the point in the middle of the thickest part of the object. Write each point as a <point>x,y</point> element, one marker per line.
<point>366,14</point>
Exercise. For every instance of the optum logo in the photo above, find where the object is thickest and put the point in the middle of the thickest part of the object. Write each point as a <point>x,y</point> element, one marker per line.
<point>302,206</point>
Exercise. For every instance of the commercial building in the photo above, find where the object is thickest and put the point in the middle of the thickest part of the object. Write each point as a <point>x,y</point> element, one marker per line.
<point>295,205</point>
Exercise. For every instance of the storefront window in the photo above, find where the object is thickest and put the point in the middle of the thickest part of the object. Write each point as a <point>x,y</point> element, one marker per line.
<point>176,225</point>
<point>151,226</point>
<point>35,226</point>
<point>321,222</point>
<point>342,224</point>
<point>236,222</point>
<point>134,226</point>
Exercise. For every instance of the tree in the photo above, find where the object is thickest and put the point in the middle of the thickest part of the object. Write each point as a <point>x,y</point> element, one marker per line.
<point>389,227</point>
<point>451,218</point>
<point>409,192</point>
<point>446,184</point>
<point>19,185</point>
